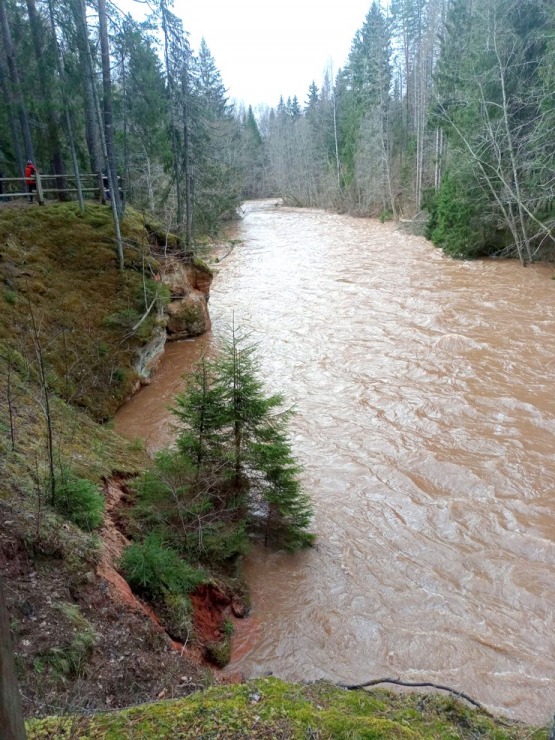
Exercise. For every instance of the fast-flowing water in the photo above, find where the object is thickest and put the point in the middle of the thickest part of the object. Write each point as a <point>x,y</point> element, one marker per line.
<point>424,390</point>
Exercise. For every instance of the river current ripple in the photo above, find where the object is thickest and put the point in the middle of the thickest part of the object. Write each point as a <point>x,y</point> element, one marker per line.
<point>424,390</point>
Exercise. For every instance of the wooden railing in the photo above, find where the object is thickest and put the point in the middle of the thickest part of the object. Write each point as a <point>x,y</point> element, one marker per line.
<point>92,186</point>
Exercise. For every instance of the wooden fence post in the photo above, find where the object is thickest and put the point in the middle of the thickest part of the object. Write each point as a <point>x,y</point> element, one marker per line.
<point>102,193</point>
<point>40,195</point>
<point>11,716</point>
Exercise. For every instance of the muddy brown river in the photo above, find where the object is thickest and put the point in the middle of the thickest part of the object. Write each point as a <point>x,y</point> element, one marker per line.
<point>425,422</point>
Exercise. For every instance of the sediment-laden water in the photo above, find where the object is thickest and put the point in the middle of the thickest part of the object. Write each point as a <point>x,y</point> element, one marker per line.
<point>425,392</point>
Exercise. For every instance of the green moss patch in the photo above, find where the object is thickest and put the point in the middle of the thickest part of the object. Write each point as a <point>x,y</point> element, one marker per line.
<point>270,708</point>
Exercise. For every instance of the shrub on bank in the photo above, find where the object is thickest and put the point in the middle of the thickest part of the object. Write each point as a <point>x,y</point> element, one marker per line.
<point>80,501</point>
<point>156,569</point>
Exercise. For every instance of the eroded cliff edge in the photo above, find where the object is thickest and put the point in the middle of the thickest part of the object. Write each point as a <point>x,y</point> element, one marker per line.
<point>77,337</point>
<point>185,315</point>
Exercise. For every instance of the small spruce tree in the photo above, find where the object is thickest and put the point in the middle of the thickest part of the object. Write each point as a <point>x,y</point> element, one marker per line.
<point>235,436</point>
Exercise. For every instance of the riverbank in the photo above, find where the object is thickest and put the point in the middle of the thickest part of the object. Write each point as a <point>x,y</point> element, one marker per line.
<point>77,337</point>
<point>391,596</point>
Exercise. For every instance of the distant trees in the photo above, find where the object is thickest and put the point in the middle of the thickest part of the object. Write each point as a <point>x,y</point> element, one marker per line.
<point>215,145</point>
<point>442,104</point>
<point>493,105</point>
<point>253,156</point>
<point>445,105</point>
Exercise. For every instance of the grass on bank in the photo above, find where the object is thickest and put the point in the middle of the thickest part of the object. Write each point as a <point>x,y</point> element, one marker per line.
<point>270,708</point>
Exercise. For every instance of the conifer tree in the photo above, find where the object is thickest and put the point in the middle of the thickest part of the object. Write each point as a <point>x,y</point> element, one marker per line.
<point>235,438</point>
<point>312,98</point>
<point>216,138</point>
<point>201,410</point>
<point>252,157</point>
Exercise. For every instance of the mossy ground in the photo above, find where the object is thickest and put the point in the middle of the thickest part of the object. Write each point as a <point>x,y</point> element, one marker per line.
<point>270,708</point>
<point>60,267</point>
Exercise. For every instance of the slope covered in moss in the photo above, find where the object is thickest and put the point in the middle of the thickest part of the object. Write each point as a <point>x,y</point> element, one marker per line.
<point>270,708</point>
<point>58,268</point>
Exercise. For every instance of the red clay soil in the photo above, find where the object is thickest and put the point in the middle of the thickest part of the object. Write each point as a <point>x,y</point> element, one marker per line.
<point>211,607</point>
<point>210,610</point>
<point>113,545</point>
<point>131,661</point>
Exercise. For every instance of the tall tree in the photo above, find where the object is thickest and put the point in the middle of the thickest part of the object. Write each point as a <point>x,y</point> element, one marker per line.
<point>111,164</point>
<point>16,89</point>
<point>252,157</point>
<point>48,88</point>
<point>490,105</point>
<point>216,144</point>
<point>68,122</point>
<point>235,436</point>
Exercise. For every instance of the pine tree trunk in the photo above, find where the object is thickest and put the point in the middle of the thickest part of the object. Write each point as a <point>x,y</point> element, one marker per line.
<point>92,133</point>
<point>67,116</point>
<point>173,124</point>
<point>8,98</point>
<point>187,168</point>
<point>111,183</point>
<point>52,122</point>
<point>126,169</point>
<point>15,82</point>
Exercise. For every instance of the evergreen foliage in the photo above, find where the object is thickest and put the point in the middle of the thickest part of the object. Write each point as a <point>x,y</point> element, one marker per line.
<point>256,455</point>
<point>174,132</point>
<point>233,471</point>
<point>190,511</point>
<point>459,221</point>
<point>156,569</point>
<point>433,90</point>
<point>491,98</point>
<point>429,88</point>
<point>79,500</point>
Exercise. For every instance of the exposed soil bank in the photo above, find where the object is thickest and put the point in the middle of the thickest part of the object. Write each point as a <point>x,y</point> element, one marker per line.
<point>213,609</point>
<point>81,638</point>
<point>78,631</point>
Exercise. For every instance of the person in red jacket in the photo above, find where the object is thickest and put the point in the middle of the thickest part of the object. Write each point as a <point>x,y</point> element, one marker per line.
<point>31,178</point>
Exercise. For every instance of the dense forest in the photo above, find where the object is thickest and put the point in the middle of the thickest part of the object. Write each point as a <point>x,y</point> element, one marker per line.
<point>443,106</point>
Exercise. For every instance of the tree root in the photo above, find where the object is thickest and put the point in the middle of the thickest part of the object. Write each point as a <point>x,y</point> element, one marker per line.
<point>418,684</point>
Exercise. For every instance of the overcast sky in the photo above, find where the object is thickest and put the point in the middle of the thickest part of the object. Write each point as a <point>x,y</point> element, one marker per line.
<point>265,49</point>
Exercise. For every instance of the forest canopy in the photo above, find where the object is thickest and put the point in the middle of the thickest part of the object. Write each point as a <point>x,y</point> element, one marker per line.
<point>445,107</point>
